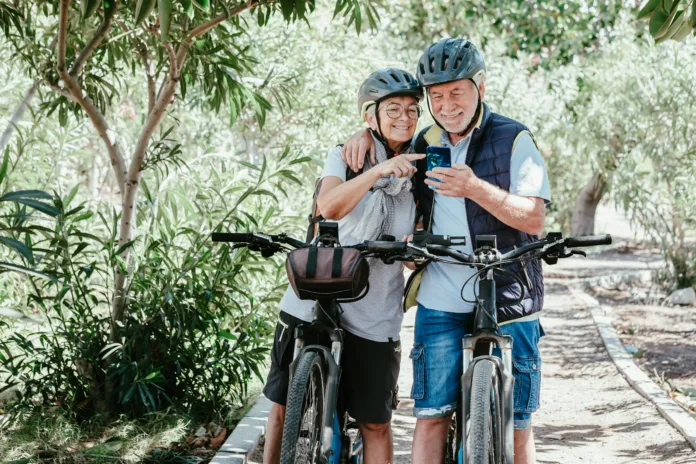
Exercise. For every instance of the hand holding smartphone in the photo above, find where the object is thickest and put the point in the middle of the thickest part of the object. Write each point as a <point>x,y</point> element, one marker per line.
<point>438,157</point>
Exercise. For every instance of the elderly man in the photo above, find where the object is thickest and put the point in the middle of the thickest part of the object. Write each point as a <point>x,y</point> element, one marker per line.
<point>497,185</point>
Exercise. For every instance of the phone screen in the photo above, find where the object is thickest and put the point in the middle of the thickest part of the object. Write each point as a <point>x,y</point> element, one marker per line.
<point>438,157</point>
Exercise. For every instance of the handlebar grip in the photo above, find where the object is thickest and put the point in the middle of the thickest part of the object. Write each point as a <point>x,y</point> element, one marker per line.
<point>383,246</point>
<point>232,237</point>
<point>590,240</point>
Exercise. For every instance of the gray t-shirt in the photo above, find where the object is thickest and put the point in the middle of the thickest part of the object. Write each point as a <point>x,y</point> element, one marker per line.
<point>441,287</point>
<point>378,316</point>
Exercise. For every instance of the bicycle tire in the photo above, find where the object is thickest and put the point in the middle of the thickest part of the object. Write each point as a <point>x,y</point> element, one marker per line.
<point>306,396</point>
<point>484,440</point>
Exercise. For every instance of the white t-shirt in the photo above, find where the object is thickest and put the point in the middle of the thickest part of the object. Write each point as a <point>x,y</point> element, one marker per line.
<point>378,316</point>
<point>441,287</point>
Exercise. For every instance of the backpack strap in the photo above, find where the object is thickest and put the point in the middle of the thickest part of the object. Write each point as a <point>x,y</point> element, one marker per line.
<point>314,216</point>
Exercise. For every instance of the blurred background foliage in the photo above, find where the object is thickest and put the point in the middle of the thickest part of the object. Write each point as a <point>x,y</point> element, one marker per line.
<point>260,100</point>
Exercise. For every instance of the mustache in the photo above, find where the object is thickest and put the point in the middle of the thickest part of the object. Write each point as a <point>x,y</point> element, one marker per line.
<point>446,114</point>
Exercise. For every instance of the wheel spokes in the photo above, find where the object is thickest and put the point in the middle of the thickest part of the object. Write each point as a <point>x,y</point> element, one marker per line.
<point>307,448</point>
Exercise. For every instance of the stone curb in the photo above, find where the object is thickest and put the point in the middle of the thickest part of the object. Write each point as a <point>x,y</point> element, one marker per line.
<point>639,380</point>
<point>245,437</point>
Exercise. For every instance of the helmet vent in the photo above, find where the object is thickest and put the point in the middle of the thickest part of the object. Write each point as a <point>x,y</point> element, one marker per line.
<point>395,77</point>
<point>431,64</point>
<point>384,81</point>
<point>467,44</point>
<point>445,61</point>
<point>457,62</point>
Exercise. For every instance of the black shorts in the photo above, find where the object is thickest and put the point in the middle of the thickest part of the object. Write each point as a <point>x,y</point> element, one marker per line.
<point>370,371</point>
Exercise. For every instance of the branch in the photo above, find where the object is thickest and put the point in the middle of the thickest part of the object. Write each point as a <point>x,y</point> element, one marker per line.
<point>98,121</point>
<point>174,71</point>
<point>96,40</point>
<point>61,91</point>
<point>62,33</point>
<point>204,28</point>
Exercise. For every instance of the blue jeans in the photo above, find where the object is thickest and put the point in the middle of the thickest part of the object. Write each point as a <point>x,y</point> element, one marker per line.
<point>438,361</point>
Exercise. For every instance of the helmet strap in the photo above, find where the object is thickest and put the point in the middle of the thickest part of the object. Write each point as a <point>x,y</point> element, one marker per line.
<point>378,133</point>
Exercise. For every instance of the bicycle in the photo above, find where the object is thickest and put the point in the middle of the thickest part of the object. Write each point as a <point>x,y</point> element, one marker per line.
<point>316,428</point>
<point>316,423</point>
<point>482,428</point>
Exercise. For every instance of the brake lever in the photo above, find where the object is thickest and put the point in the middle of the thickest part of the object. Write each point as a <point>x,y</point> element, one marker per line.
<point>552,258</point>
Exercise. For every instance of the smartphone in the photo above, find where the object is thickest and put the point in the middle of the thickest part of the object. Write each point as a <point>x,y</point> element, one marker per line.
<point>438,157</point>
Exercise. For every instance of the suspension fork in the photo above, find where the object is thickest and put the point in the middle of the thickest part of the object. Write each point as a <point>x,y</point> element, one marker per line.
<point>485,331</point>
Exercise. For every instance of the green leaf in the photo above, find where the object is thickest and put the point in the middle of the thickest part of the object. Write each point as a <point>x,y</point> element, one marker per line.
<point>20,194</point>
<point>659,23</point>
<point>37,205</point>
<point>71,195</point>
<point>188,7</point>
<point>358,18</point>
<point>18,246</point>
<point>693,16</point>
<point>304,159</point>
<point>62,116</point>
<point>5,163</point>
<point>249,165</point>
<point>203,5</point>
<point>164,11</point>
<point>143,9</point>
<point>26,270</point>
<point>259,17</point>
<point>124,247</point>
<point>666,5</point>
<point>286,7</point>
<point>89,7</point>
<point>81,246</point>
<point>227,335</point>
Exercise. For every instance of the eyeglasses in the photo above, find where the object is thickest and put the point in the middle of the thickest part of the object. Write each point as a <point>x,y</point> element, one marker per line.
<point>395,111</point>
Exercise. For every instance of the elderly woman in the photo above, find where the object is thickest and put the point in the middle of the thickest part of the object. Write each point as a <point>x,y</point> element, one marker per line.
<point>376,200</point>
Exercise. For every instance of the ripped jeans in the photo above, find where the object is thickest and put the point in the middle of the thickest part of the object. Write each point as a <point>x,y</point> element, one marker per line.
<point>437,363</point>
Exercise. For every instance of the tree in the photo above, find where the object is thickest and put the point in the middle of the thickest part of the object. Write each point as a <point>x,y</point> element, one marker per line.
<point>175,47</point>
<point>553,32</point>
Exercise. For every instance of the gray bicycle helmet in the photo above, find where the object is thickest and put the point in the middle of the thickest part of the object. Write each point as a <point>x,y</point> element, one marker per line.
<point>386,83</point>
<point>449,60</point>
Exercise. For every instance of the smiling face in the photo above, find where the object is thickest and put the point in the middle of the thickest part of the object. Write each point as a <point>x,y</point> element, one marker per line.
<point>454,103</point>
<point>398,117</point>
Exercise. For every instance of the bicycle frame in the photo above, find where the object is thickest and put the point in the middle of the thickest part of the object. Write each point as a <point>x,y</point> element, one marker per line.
<point>485,322</point>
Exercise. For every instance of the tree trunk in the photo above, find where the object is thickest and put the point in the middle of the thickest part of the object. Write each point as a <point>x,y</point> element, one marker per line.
<point>17,116</point>
<point>583,220</point>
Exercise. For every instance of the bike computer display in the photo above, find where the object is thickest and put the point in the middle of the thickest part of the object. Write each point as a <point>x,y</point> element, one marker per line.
<point>488,241</point>
<point>328,233</point>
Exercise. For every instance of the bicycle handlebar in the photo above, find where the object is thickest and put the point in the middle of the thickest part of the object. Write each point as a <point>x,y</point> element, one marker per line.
<point>590,240</point>
<point>429,246</point>
<point>232,237</point>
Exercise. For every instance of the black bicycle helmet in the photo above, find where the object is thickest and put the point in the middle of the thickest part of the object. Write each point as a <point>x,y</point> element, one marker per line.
<point>449,60</point>
<point>386,83</point>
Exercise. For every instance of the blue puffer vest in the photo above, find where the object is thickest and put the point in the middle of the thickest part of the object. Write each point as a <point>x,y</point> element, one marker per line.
<point>489,156</point>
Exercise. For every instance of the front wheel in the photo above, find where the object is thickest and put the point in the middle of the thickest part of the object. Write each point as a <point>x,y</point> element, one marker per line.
<point>485,427</point>
<point>304,412</point>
